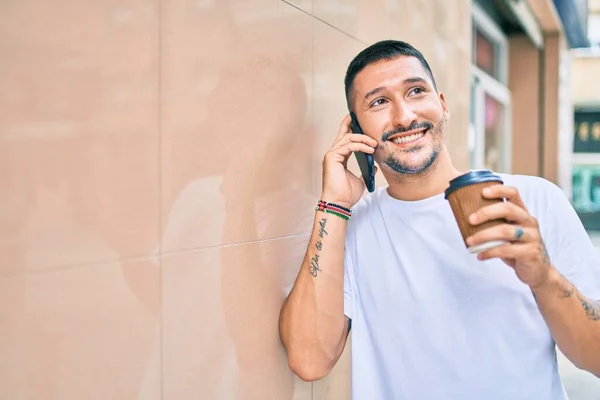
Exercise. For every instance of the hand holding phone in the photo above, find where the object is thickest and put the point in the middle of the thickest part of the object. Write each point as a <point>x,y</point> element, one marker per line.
<point>341,186</point>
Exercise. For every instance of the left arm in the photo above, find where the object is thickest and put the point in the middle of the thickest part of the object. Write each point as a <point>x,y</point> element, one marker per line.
<point>573,319</point>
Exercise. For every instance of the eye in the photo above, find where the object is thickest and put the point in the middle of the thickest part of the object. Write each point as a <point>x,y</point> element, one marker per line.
<point>416,91</point>
<point>378,102</point>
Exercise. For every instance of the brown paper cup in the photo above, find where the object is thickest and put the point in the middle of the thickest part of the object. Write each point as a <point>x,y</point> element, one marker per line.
<point>464,202</point>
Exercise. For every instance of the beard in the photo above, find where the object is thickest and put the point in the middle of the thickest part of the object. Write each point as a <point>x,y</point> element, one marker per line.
<point>408,167</point>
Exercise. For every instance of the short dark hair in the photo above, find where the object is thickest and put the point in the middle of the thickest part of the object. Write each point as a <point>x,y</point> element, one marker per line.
<point>383,50</point>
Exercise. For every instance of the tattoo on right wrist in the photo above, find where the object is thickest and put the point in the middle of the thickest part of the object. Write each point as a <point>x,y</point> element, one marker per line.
<point>314,261</point>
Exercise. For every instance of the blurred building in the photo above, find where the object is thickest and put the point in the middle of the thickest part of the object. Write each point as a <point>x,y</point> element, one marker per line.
<point>585,95</point>
<point>520,109</point>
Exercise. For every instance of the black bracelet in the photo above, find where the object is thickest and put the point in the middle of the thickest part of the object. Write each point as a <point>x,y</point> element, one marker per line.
<point>328,204</point>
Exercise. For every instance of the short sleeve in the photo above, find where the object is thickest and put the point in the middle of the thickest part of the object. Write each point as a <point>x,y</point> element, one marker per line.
<point>348,298</point>
<point>569,246</point>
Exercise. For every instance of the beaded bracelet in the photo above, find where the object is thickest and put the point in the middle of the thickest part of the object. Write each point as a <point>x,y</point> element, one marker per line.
<point>335,209</point>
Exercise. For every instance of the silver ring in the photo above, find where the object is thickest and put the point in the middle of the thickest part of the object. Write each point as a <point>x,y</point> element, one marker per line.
<point>519,232</point>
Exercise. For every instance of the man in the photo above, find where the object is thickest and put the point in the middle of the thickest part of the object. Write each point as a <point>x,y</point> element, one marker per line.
<point>430,320</point>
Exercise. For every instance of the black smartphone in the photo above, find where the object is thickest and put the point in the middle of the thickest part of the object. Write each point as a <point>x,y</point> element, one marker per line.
<point>365,161</point>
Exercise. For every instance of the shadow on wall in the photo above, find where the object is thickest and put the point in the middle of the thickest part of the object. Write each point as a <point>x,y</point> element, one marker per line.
<point>263,174</point>
<point>248,191</point>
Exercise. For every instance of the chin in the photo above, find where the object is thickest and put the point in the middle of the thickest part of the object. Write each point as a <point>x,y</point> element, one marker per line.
<point>410,166</point>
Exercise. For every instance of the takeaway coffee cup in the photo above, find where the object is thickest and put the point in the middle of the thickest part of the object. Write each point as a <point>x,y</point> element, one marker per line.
<point>464,195</point>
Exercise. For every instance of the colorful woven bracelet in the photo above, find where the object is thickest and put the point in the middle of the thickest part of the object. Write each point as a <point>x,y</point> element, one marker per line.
<point>335,209</point>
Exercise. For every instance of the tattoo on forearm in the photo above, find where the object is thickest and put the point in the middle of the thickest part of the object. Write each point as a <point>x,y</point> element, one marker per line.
<point>592,308</point>
<point>322,231</point>
<point>546,257</point>
<point>314,261</point>
<point>566,289</point>
<point>314,265</point>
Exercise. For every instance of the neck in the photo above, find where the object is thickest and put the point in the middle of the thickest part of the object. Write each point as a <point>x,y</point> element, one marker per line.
<point>429,183</point>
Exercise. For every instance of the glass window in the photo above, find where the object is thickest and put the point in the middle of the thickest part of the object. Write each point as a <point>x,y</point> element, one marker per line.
<point>494,134</point>
<point>485,54</point>
<point>586,188</point>
<point>489,136</point>
<point>586,138</point>
<point>472,139</point>
<point>586,195</point>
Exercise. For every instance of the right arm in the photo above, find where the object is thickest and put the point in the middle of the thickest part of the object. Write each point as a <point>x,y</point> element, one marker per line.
<point>313,327</point>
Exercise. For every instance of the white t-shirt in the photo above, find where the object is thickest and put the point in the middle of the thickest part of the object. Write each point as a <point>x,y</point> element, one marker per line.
<point>430,321</point>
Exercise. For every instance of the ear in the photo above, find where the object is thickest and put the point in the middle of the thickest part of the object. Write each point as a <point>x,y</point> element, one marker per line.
<point>444,105</point>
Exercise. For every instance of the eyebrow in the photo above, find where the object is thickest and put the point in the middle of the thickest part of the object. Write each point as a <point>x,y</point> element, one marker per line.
<point>379,89</point>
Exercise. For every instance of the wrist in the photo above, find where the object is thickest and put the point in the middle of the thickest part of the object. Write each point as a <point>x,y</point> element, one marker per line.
<point>333,208</point>
<point>551,281</point>
<point>331,199</point>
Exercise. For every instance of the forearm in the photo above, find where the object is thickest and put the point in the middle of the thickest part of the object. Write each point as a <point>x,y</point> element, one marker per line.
<point>312,321</point>
<point>574,321</point>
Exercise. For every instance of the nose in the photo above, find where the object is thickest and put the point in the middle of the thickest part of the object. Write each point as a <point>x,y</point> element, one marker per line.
<point>403,115</point>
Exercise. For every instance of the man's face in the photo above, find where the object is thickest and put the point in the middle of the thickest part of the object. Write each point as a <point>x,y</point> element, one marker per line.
<point>396,104</point>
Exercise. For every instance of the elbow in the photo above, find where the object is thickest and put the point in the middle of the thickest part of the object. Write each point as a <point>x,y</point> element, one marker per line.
<point>308,371</point>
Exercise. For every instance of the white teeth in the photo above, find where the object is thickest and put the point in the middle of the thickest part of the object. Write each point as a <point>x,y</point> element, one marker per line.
<point>407,139</point>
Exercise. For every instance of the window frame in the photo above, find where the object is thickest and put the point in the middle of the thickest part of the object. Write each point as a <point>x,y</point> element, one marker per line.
<point>481,84</point>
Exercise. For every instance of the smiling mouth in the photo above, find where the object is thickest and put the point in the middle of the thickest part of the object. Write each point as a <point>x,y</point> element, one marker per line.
<point>408,138</point>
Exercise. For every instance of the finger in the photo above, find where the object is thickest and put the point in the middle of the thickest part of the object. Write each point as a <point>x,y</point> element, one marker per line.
<point>504,210</point>
<point>506,251</point>
<point>509,193</point>
<point>342,153</point>
<point>357,138</point>
<point>506,232</point>
<point>344,128</point>
<point>351,147</point>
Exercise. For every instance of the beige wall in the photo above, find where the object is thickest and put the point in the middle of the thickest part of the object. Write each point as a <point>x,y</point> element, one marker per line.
<point>585,85</point>
<point>554,45</point>
<point>159,164</point>
<point>524,85</point>
<point>533,72</point>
